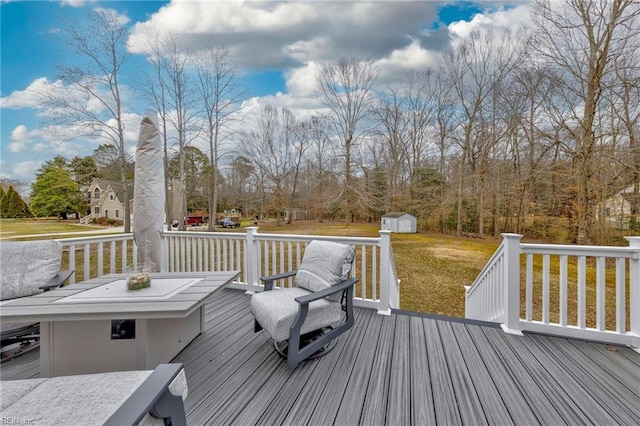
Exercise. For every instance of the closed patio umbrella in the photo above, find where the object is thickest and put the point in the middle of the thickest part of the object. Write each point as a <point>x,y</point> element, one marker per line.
<point>148,194</point>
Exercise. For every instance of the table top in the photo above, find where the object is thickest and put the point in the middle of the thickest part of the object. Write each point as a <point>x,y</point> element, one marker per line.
<point>87,300</point>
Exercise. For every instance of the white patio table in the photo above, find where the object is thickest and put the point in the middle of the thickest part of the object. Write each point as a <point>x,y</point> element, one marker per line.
<point>98,325</point>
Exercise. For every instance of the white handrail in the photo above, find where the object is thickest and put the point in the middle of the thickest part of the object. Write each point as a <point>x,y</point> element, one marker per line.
<point>252,253</point>
<point>568,290</point>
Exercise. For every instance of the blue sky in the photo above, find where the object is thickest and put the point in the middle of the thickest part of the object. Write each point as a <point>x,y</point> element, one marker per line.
<point>275,44</point>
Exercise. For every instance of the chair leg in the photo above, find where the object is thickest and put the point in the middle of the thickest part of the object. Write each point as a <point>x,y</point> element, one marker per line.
<point>256,326</point>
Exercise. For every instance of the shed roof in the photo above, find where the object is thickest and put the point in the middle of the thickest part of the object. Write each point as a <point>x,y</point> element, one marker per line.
<point>396,214</point>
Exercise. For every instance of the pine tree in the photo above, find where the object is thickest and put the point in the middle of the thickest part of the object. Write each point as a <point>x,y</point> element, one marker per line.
<point>13,206</point>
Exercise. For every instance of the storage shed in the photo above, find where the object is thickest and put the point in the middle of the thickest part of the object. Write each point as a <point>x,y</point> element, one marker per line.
<point>399,222</point>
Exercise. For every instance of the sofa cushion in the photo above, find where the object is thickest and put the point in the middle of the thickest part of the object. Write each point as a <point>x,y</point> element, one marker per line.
<point>276,310</point>
<point>324,264</point>
<point>25,266</point>
<point>77,400</point>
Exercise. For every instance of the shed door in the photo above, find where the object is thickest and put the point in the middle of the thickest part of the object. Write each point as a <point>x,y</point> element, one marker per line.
<point>404,226</point>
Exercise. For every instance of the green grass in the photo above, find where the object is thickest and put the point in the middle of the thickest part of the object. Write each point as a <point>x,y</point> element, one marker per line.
<point>20,229</point>
<point>433,268</point>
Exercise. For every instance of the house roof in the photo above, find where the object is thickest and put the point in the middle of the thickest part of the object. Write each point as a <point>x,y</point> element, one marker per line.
<point>115,185</point>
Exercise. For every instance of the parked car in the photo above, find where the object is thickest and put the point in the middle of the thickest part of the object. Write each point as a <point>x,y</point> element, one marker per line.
<point>191,220</point>
<point>195,220</point>
<point>227,222</point>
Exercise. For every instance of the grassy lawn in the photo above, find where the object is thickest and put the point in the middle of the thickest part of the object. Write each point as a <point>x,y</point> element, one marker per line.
<point>22,228</point>
<point>433,268</point>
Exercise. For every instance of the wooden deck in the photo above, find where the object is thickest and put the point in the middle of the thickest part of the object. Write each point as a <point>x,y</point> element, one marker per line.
<point>400,370</point>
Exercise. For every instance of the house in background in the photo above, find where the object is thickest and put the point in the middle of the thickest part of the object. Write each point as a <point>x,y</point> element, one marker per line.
<point>106,200</point>
<point>399,222</point>
<point>619,206</point>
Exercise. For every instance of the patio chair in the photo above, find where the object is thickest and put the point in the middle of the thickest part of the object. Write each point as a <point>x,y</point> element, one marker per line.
<point>26,269</point>
<point>148,397</point>
<point>303,321</point>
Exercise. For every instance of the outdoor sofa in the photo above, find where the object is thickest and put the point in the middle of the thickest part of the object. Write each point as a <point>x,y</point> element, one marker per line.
<point>26,269</point>
<point>148,397</point>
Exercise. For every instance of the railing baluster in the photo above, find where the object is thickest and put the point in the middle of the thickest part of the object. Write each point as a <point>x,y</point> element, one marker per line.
<point>363,273</point>
<point>621,314</point>
<point>100,259</point>
<point>529,287</point>
<point>72,263</point>
<point>87,261</point>
<point>374,270</point>
<point>600,294</point>
<point>563,291</point>
<point>582,291</point>
<point>546,294</point>
<point>112,257</point>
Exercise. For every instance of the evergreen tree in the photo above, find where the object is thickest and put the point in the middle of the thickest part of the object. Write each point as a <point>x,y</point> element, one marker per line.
<point>54,193</point>
<point>3,203</point>
<point>12,205</point>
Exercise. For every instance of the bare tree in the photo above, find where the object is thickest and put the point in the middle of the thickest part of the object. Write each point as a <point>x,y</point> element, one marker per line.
<point>626,105</point>
<point>581,38</point>
<point>92,100</point>
<point>474,69</point>
<point>346,90</point>
<point>217,78</point>
<point>173,92</point>
<point>276,150</point>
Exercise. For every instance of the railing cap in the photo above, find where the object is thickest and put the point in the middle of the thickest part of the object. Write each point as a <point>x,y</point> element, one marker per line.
<point>509,236</point>
<point>633,241</point>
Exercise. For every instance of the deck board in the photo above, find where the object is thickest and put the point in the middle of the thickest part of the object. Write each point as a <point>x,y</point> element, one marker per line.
<point>398,369</point>
<point>422,407</point>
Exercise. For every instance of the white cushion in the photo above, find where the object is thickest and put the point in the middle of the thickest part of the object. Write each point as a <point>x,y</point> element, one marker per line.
<point>25,266</point>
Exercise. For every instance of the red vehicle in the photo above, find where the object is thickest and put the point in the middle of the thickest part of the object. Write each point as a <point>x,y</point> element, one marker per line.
<point>195,220</point>
<point>191,220</point>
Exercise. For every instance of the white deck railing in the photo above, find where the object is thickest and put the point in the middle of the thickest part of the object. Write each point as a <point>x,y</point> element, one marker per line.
<point>252,253</point>
<point>587,292</point>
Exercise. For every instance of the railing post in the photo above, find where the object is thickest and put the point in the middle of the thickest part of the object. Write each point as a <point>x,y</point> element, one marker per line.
<point>634,291</point>
<point>511,284</point>
<point>252,260</point>
<point>386,287</point>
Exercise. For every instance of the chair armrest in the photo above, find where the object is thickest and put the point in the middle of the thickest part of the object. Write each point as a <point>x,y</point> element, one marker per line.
<point>308,298</point>
<point>57,280</point>
<point>268,280</point>
<point>153,396</point>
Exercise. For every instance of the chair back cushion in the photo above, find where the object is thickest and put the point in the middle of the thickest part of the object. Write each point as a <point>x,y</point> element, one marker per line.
<point>324,264</point>
<point>25,266</point>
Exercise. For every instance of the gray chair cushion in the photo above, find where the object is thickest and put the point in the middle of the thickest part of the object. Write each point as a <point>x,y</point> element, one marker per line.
<point>276,310</point>
<point>25,266</point>
<point>324,264</point>
<point>77,400</point>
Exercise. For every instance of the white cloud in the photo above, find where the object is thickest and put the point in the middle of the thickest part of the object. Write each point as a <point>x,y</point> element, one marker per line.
<point>509,18</point>
<point>27,98</point>
<point>411,57</point>
<point>75,3</point>
<point>22,139</point>
<point>25,169</point>
<point>285,34</point>
<point>302,81</point>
